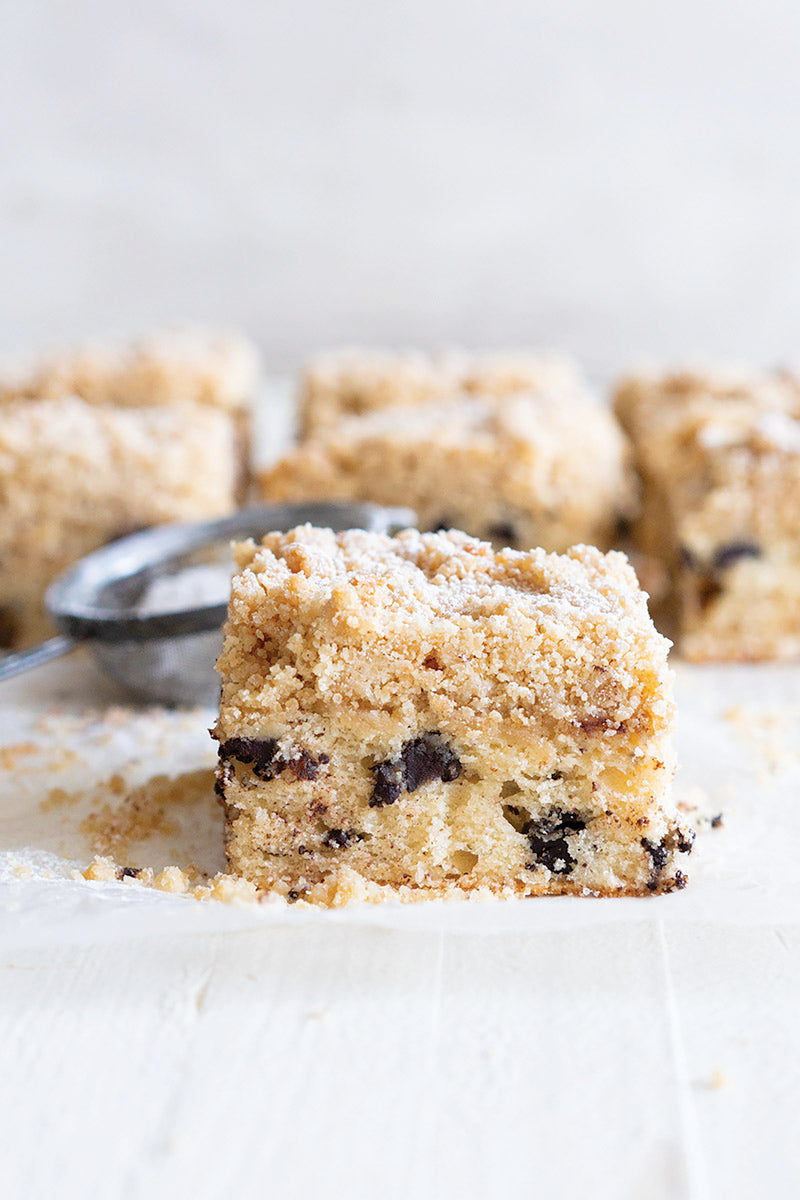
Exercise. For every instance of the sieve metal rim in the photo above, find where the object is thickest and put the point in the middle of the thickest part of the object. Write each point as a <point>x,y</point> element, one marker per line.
<point>71,600</point>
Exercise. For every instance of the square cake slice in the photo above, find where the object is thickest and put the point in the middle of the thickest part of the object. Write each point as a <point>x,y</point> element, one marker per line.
<point>529,470</point>
<point>99,441</point>
<point>349,383</point>
<point>74,476</point>
<point>719,456</point>
<point>168,369</point>
<point>421,715</point>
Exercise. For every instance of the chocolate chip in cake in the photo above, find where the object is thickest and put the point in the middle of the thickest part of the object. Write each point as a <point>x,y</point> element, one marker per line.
<point>708,590</point>
<point>421,760</point>
<point>426,758</point>
<point>623,528</point>
<point>547,838</point>
<point>389,782</point>
<point>682,841</point>
<point>725,556</point>
<point>504,532</point>
<point>262,755</point>
<point>129,872</point>
<point>338,839</point>
<point>224,777</point>
<point>709,587</point>
<point>659,852</point>
<point>658,860</point>
<point>258,752</point>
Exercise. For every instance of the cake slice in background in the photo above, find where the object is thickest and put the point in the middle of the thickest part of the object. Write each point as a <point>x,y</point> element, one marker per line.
<point>98,442</point>
<point>719,457</point>
<point>347,383</point>
<point>530,469</point>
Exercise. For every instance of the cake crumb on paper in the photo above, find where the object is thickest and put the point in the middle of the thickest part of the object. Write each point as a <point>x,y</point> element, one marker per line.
<point>10,755</point>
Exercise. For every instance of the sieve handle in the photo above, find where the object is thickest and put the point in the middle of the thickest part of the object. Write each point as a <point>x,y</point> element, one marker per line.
<point>26,660</point>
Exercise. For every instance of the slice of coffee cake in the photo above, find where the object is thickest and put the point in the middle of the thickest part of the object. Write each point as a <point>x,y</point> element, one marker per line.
<point>172,368</point>
<point>532,469</point>
<point>426,713</point>
<point>98,441</point>
<point>719,455</point>
<point>74,476</point>
<point>349,383</point>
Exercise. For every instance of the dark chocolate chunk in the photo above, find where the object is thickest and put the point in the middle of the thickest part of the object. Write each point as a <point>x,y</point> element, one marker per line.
<point>716,822</point>
<point>623,528</point>
<point>261,754</point>
<point>660,851</point>
<point>658,860</point>
<point>129,872</point>
<point>709,589</point>
<point>426,758</point>
<point>389,783</point>
<point>224,777</point>
<point>547,838</point>
<point>709,586</point>
<point>503,532</point>
<point>725,556</point>
<point>292,896</point>
<point>421,760</point>
<point>258,752</point>
<point>442,524</point>
<point>338,839</point>
<point>682,842</point>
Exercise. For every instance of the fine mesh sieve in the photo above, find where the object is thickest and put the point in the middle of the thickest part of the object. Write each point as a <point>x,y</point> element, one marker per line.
<point>151,605</point>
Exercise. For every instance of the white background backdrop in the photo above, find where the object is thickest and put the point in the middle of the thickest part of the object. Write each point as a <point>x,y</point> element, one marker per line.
<point>620,178</point>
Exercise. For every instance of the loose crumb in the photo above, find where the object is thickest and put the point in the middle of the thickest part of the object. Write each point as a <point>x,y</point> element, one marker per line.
<point>143,811</point>
<point>10,755</point>
<point>59,797</point>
